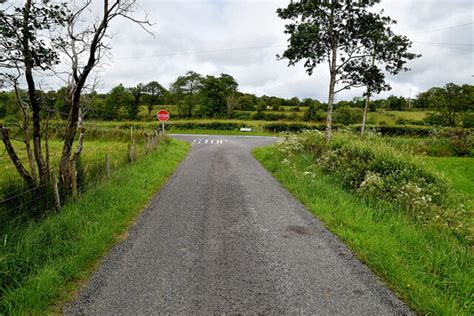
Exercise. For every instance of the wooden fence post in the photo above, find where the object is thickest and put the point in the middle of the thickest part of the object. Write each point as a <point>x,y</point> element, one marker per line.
<point>107,166</point>
<point>73,178</point>
<point>130,152</point>
<point>57,201</point>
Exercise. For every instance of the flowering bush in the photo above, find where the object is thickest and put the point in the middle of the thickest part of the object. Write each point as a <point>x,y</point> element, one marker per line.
<point>376,170</point>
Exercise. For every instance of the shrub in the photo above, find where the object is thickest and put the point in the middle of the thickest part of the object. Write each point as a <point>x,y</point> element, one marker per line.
<point>295,109</point>
<point>226,126</point>
<point>378,171</point>
<point>346,115</point>
<point>434,119</point>
<point>273,116</point>
<point>400,130</point>
<point>260,115</point>
<point>460,140</point>
<point>468,120</point>
<point>3,111</point>
<point>291,127</point>
<point>242,115</point>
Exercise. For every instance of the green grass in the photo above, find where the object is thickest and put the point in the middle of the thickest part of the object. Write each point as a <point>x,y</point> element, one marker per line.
<point>42,263</point>
<point>391,117</point>
<point>459,170</point>
<point>93,152</point>
<point>427,267</point>
<point>410,115</point>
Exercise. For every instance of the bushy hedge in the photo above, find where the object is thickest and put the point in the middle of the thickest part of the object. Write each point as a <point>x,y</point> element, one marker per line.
<point>399,130</point>
<point>279,127</point>
<point>378,171</point>
<point>346,115</point>
<point>218,125</point>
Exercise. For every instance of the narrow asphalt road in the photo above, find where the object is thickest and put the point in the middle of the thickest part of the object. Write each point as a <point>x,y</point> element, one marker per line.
<point>224,237</point>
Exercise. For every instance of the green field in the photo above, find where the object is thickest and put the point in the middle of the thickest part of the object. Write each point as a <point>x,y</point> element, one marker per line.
<point>42,263</point>
<point>93,152</point>
<point>378,117</point>
<point>459,170</point>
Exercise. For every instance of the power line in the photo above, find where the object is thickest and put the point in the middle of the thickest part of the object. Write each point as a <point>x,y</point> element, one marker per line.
<point>447,44</point>
<point>256,48</point>
<point>204,52</point>
<point>442,29</point>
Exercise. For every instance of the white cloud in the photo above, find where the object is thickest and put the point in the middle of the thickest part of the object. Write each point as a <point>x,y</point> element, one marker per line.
<point>242,38</point>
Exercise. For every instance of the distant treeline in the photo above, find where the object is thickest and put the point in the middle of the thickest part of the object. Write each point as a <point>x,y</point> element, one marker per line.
<point>199,96</point>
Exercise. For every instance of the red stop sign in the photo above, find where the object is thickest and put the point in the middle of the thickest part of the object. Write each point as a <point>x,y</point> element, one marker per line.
<point>163,116</point>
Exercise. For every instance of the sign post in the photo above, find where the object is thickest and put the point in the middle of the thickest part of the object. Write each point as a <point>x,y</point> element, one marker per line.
<point>163,116</point>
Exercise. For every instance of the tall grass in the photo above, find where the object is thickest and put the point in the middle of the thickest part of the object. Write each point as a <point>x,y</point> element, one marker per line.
<point>430,268</point>
<point>40,263</point>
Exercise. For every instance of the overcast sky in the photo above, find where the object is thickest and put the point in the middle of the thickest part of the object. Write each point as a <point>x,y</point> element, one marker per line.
<point>241,38</point>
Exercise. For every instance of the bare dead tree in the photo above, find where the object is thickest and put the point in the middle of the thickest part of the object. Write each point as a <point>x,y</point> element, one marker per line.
<point>85,48</point>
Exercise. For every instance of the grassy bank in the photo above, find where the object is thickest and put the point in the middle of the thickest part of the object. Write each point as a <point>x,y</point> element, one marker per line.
<point>41,263</point>
<point>459,170</point>
<point>426,266</point>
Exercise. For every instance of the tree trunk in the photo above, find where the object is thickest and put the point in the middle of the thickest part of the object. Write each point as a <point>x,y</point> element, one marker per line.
<point>150,108</point>
<point>367,101</point>
<point>42,170</point>
<point>364,116</point>
<point>14,157</point>
<point>46,144</point>
<point>26,132</point>
<point>332,85</point>
<point>26,139</point>
<point>333,74</point>
<point>190,105</point>
<point>69,134</point>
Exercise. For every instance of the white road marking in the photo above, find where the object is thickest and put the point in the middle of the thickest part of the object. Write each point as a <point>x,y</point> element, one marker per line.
<point>198,141</point>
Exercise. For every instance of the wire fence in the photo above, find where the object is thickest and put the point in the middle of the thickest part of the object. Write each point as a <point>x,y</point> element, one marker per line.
<point>19,201</point>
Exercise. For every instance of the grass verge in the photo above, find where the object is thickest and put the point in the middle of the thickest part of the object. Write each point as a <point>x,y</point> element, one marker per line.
<point>427,267</point>
<point>43,262</point>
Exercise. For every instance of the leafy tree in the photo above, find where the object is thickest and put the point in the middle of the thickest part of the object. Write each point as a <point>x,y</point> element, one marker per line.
<point>423,100</point>
<point>294,101</point>
<point>395,103</point>
<point>346,115</point>
<point>61,105</point>
<point>117,98</point>
<point>154,91</point>
<point>247,102</point>
<point>133,107</point>
<point>186,88</point>
<point>335,32</point>
<point>262,105</point>
<point>451,101</point>
<point>310,114</point>
<point>3,104</point>
<point>215,94</point>
<point>306,102</point>
<point>381,48</point>
<point>230,92</point>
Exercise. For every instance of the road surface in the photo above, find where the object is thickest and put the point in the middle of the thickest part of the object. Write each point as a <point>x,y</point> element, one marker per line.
<point>222,237</point>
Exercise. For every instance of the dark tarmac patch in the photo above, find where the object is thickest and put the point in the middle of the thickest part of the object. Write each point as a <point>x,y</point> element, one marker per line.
<point>300,230</point>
